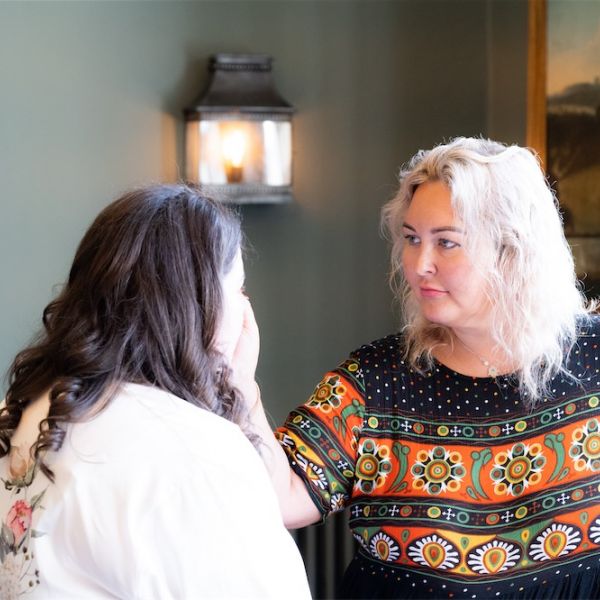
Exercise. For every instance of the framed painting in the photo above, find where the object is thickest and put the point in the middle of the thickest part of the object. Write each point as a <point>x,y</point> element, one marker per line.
<point>563,121</point>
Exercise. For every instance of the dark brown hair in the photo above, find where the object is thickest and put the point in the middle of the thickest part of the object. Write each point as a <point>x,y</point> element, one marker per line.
<point>141,305</point>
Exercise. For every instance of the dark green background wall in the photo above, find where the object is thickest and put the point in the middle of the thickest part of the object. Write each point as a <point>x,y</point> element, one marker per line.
<point>90,104</point>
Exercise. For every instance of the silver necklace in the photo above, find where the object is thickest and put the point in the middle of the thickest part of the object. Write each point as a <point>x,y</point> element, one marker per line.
<point>491,369</point>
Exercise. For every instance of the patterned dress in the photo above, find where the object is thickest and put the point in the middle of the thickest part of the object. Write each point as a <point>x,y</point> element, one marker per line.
<point>455,489</point>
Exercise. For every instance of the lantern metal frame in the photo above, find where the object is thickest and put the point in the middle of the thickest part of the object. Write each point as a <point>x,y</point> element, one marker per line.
<point>240,88</point>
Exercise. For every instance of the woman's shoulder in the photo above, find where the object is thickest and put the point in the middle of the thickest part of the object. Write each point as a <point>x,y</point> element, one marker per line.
<point>589,326</point>
<point>144,423</point>
<point>379,357</point>
<point>391,347</point>
<point>157,408</point>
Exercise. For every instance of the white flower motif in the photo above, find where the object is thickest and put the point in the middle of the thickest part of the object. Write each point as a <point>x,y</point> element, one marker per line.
<point>286,440</point>
<point>517,469</point>
<point>585,447</point>
<point>493,557</point>
<point>438,470</point>
<point>594,532</point>
<point>372,466</point>
<point>360,540</point>
<point>384,547</point>
<point>337,502</point>
<point>557,540</point>
<point>328,394</point>
<point>434,552</point>
<point>315,474</point>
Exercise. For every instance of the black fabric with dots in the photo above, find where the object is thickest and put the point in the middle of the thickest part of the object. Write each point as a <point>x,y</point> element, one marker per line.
<point>491,500</point>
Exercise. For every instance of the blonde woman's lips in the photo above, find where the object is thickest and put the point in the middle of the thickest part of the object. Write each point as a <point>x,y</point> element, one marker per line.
<point>427,292</point>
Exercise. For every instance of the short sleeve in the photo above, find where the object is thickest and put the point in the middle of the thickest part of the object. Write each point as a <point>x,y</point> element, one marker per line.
<point>320,437</point>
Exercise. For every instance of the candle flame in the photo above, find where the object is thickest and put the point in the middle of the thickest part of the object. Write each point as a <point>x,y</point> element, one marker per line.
<point>234,147</point>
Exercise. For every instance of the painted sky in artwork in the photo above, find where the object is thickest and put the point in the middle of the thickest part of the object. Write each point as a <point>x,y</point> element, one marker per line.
<point>573,43</point>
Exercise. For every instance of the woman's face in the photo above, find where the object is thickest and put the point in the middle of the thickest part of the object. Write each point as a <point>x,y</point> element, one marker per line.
<point>234,303</point>
<point>448,287</point>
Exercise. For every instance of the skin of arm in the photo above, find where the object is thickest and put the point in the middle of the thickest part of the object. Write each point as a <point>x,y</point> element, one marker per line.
<point>297,507</point>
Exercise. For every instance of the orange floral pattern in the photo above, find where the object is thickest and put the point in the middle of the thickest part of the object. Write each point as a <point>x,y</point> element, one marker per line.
<point>438,481</point>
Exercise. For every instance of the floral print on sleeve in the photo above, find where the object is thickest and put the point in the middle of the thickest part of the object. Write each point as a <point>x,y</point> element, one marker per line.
<point>18,569</point>
<point>320,437</point>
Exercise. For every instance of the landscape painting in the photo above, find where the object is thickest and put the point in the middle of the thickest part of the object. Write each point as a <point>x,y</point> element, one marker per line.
<point>573,127</point>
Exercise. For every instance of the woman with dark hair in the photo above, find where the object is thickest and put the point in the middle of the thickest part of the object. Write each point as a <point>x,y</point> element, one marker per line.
<point>126,452</point>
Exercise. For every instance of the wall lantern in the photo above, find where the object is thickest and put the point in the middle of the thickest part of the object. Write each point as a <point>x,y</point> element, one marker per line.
<point>239,134</point>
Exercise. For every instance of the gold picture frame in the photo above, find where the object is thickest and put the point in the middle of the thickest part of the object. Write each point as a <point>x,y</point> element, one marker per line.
<point>536,77</point>
<point>563,119</point>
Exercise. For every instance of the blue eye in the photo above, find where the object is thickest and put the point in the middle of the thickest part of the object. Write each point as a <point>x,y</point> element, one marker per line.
<point>447,244</point>
<point>411,240</point>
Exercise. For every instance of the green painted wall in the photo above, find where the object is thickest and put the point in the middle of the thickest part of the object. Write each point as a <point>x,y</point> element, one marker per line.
<point>90,102</point>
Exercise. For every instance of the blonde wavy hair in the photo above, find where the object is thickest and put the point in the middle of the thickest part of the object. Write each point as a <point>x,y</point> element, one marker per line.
<point>515,239</point>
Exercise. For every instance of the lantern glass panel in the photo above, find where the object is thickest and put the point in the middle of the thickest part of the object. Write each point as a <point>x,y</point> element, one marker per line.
<point>237,149</point>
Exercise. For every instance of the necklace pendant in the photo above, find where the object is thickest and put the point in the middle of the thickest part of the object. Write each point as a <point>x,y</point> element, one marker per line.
<point>492,371</point>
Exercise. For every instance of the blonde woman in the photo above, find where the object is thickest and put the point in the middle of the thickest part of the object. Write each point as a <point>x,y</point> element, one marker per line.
<point>467,446</point>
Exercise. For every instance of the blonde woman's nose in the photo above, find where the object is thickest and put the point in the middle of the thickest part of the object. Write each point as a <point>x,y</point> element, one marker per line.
<point>425,261</point>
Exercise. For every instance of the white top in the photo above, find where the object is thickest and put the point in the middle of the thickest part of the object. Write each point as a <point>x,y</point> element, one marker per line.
<point>153,498</point>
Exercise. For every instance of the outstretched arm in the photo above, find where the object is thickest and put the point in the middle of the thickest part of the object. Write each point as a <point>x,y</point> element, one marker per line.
<point>297,507</point>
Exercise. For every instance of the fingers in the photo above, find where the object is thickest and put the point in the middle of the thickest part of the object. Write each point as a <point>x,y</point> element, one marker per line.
<point>249,325</point>
<point>245,356</point>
